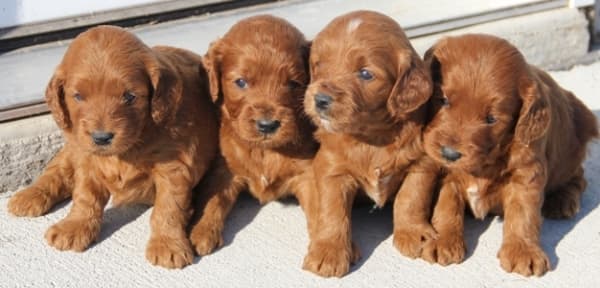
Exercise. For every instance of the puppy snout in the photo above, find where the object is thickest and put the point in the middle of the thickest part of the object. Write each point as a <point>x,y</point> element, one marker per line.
<point>102,138</point>
<point>450,154</point>
<point>267,126</point>
<point>322,101</point>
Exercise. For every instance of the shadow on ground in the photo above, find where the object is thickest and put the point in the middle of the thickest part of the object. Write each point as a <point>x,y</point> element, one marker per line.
<point>117,217</point>
<point>553,231</point>
<point>243,212</point>
<point>370,227</point>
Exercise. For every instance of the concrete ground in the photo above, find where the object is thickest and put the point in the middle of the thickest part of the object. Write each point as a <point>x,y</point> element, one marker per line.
<point>264,246</point>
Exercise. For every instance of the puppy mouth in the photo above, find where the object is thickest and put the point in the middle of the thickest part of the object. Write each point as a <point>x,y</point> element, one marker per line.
<point>325,122</point>
<point>465,165</point>
<point>103,151</point>
<point>266,137</point>
<point>109,150</point>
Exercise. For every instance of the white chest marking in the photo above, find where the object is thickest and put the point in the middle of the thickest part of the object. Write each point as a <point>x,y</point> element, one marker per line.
<point>378,184</point>
<point>475,201</point>
<point>264,181</point>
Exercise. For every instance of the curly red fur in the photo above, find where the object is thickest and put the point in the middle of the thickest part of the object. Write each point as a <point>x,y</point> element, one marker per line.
<point>269,55</point>
<point>521,140</point>
<point>164,140</point>
<point>370,134</point>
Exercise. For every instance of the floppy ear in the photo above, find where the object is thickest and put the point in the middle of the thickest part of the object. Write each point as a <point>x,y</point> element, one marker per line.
<point>212,64</point>
<point>306,56</point>
<point>167,91</point>
<point>55,99</point>
<point>411,90</point>
<point>433,64</point>
<point>534,118</point>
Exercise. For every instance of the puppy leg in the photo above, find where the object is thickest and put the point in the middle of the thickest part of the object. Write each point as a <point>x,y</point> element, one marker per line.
<point>305,190</point>
<point>53,186</point>
<point>564,202</point>
<point>448,221</point>
<point>81,226</point>
<point>412,208</point>
<point>169,246</point>
<point>331,250</point>
<point>521,251</point>
<point>220,192</point>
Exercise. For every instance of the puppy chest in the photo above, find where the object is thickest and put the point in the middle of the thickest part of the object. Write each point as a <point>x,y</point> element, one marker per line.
<point>267,175</point>
<point>380,184</point>
<point>267,187</point>
<point>130,185</point>
<point>481,198</point>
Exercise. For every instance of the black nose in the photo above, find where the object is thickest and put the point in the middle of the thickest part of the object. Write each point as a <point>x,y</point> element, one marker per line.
<point>322,101</point>
<point>102,138</point>
<point>267,126</point>
<point>450,154</point>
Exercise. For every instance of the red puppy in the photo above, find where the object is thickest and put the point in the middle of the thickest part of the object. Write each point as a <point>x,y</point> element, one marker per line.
<point>258,74</point>
<point>367,94</point>
<point>511,140</point>
<point>139,126</point>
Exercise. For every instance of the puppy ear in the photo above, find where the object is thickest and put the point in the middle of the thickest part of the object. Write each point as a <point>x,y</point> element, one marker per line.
<point>55,99</point>
<point>306,55</point>
<point>433,63</point>
<point>411,90</point>
<point>534,118</point>
<point>212,64</point>
<point>167,91</point>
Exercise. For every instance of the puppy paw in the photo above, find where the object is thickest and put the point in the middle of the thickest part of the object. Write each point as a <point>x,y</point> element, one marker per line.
<point>206,239</point>
<point>409,240</point>
<point>445,250</point>
<point>355,254</point>
<point>561,206</point>
<point>30,202</point>
<point>169,252</point>
<point>72,234</point>
<point>330,260</point>
<point>523,258</point>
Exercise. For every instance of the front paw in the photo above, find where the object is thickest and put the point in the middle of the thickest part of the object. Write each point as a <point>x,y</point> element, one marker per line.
<point>523,258</point>
<point>30,202</point>
<point>330,259</point>
<point>169,252</point>
<point>444,250</point>
<point>206,238</point>
<point>73,234</point>
<point>410,239</point>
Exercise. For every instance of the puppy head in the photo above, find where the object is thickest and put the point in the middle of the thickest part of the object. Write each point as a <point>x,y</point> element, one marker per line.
<point>484,99</point>
<point>365,75</point>
<point>258,74</point>
<point>108,88</point>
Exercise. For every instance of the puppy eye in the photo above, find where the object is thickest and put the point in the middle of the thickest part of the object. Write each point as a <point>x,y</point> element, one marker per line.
<point>240,82</point>
<point>444,100</point>
<point>294,84</point>
<point>77,97</point>
<point>128,97</point>
<point>490,119</point>
<point>365,74</point>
